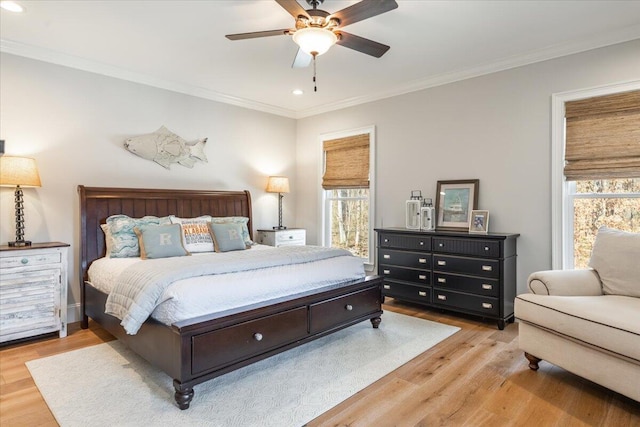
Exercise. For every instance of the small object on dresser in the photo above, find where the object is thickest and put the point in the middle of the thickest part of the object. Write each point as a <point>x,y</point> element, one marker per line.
<point>412,214</point>
<point>427,215</point>
<point>479,222</point>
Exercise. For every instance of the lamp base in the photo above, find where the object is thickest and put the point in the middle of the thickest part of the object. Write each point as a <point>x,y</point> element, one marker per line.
<point>279,227</point>
<point>19,244</point>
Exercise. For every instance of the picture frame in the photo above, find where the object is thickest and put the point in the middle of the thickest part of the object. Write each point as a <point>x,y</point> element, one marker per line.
<point>479,222</point>
<point>454,202</point>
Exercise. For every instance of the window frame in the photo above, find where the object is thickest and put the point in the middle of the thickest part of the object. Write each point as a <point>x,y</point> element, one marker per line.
<point>324,231</point>
<point>563,191</point>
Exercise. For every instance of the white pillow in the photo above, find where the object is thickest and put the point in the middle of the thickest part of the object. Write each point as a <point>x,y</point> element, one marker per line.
<point>195,233</point>
<point>616,258</point>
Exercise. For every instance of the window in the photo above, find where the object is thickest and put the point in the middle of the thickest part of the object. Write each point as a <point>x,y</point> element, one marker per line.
<point>347,189</point>
<point>596,168</point>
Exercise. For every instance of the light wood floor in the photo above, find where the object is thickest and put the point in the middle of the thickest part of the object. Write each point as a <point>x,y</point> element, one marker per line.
<point>477,377</point>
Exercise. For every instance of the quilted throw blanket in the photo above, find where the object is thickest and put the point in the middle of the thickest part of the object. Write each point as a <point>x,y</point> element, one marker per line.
<point>139,287</point>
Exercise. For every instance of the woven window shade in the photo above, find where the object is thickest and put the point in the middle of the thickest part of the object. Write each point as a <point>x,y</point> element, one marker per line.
<point>346,162</point>
<point>603,137</point>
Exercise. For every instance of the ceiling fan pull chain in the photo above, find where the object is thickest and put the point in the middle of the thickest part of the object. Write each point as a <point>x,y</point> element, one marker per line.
<point>315,88</point>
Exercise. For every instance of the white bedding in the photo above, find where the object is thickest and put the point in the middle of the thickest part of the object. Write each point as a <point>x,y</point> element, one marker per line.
<point>196,296</point>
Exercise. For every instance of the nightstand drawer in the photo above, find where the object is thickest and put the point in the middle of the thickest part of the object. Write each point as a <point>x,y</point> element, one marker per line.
<point>290,236</point>
<point>287,237</point>
<point>26,260</point>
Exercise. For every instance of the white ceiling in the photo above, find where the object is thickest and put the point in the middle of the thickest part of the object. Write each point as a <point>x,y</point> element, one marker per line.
<point>180,45</point>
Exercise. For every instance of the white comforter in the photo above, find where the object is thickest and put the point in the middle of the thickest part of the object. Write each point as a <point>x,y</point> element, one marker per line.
<point>195,296</point>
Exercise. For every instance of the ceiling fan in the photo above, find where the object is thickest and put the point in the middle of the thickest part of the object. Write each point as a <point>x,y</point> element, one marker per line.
<point>317,30</point>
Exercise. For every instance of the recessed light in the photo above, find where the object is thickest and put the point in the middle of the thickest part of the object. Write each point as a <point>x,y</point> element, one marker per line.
<point>297,92</point>
<point>11,6</point>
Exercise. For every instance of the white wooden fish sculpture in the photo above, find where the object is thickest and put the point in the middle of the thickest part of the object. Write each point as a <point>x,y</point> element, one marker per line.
<point>165,147</point>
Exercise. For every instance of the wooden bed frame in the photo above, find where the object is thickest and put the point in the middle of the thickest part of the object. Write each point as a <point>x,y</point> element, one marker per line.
<point>195,350</point>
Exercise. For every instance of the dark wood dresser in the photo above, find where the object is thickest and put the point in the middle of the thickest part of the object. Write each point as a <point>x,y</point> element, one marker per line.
<point>457,271</point>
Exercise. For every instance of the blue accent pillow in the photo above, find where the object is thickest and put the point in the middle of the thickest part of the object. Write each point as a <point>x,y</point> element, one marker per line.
<point>121,239</point>
<point>160,241</point>
<point>227,236</point>
<point>242,220</point>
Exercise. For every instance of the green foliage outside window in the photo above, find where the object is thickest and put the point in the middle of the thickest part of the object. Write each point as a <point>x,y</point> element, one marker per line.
<point>349,210</point>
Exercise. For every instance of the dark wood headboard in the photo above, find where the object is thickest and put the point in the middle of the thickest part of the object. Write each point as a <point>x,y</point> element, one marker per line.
<point>98,203</point>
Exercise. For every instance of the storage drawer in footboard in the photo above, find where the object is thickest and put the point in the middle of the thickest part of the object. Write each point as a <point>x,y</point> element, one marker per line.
<point>335,312</point>
<point>216,349</point>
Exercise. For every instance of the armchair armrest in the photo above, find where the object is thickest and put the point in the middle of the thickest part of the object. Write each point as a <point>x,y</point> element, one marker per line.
<point>565,282</point>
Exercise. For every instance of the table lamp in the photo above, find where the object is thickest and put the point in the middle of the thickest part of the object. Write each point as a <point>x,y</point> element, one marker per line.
<point>278,184</point>
<point>19,172</point>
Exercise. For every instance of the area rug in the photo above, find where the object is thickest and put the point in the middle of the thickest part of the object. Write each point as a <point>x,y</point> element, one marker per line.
<point>108,385</point>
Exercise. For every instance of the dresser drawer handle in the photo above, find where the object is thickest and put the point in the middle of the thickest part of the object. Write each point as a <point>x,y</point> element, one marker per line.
<point>442,297</point>
<point>386,271</point>
<point>442,262</point>
<point>386,240</point>
<point>25,260</point>
<point>421,243</point>
<point>486,248</point>
<point>422,294</point>
<point>257,336</point>
<point>487,268</point>
<point>487,287</point>
<point>386,286</point>
<point>422,260</point>
<point>348,307</point>
<point>385,256</point>
<point>441,245</point>
<point>487,305</point>
<point>422,277</point>
<point>442,280</point>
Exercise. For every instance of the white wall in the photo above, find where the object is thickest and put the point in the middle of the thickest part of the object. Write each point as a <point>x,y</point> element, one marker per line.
<point>74,123</point>
<point>496,128</point>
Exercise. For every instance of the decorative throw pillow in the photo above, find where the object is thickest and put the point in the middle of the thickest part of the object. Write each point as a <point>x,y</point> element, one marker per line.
<point>243,220</point>
<point>227,236</point>
<point>160,241</point>
<point>616,258</point>
<point>195,233</point>
<point>123,240</point>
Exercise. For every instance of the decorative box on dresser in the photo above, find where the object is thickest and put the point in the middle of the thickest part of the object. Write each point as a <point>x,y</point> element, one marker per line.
<point>285,237</point>
<point>458,271</point>
<point>33,290</point>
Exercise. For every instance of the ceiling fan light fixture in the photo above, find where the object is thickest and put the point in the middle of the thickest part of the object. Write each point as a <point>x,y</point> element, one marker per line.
<point>314,40</point>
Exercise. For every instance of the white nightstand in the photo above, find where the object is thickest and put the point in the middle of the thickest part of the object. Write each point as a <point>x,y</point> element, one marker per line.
<point>33,290</point>
<point>287,237</point>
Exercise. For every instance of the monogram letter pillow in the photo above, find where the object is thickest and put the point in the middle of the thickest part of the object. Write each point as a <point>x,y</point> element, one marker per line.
<point>160,241</point>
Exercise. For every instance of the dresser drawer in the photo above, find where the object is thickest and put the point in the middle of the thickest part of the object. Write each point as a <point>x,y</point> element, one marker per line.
<point>217,349</point>
<point>408,275</point>
<point>405,291</point>
<point>455,300</point>
<point>403,241</point>
<point>475,247</point>
<point>290,237</point>
<point>470,266</point>
<point>28,260</point>
<point>473,285</point>
<point>405,259</point>
<point>327,314</point>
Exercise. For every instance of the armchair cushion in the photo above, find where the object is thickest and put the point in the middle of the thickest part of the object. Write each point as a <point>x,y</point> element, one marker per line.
<point>616,258</point>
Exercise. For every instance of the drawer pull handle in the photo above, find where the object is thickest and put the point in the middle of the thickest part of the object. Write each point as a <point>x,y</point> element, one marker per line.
<point>486,248</point>
<point>422,260</point>
<point>442,280</point>
<point>421,243</point>
<point>386,240</point>
<point>257,336</point>
<point>422,294</point>
<point>386,271</point>
<point>386,256</point>
<point>442,297</point>
<point>24,260</point>
<point>487,305</point>
<point>386,286</point>
<point>349,307</point>
<point>487,287</point>
<point>442,262</point>
<point>422,277</point>
<point>441,245</point>
<point>291,237</point>
<point>487,268</point>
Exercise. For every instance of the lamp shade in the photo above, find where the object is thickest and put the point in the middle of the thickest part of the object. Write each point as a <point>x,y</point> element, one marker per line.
<point>313,40</point>
<point>20,171</point>
<point>278,184</point>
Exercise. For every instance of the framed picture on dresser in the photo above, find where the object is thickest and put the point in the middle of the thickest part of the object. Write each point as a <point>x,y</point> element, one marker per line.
<point>454,202</point>
<point>479,222</point>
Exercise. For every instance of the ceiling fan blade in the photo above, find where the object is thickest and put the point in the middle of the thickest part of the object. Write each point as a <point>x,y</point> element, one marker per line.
<point>293,7</point>
<point>256,34</point>
<point>363,10</point>
<point>361,44</point>
<point>302,59</point>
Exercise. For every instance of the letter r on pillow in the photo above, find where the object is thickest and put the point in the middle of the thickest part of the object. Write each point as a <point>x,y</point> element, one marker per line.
<point>233,235</point>
<point>165,239</point>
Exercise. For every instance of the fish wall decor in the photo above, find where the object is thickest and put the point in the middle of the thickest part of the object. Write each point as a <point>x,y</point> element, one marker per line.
<point>165,147</point>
